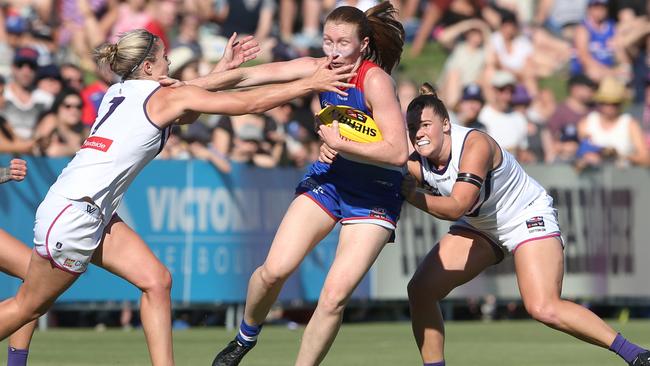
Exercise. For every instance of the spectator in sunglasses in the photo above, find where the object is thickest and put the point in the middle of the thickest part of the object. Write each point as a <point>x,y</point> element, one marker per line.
<point>60,132</point>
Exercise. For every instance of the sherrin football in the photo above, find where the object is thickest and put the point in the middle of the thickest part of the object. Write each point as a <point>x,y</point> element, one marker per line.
<point>353,123</point>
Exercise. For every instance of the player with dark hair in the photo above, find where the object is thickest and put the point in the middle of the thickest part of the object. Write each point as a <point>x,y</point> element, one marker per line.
<point>497,210</point>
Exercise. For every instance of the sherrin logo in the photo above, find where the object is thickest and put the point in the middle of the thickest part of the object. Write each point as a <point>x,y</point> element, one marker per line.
<point>97,143</point>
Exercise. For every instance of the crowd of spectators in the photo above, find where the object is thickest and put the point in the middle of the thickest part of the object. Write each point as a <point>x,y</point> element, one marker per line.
<point>501,55</point>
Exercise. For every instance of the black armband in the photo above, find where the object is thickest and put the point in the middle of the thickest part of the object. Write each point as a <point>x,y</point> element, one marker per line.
<point>470,178</point>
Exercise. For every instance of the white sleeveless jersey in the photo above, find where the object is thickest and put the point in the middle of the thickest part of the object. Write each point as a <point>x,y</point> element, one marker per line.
<point>506,191</point>
<point>122,141</point>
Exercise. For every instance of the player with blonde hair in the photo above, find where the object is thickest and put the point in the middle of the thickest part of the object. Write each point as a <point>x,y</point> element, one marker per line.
<point>76,223</point>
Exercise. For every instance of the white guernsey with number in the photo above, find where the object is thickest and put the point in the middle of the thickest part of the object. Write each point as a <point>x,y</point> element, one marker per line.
<point>511,208</point>
<point>122,141</point>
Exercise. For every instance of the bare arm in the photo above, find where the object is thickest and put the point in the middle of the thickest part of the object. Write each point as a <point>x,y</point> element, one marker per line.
<point>478,156</point>
<point>543,10</point>
<point>274,72</point>
<point>641,156</point>
<point>393,149</point>
<point>168,104</point>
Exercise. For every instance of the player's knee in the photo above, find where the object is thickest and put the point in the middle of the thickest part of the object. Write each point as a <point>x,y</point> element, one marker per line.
<point>333,300</point>
<point>419,288</point>
<point>543,311</point>
<point>273,275</point>
<point>159,281</point>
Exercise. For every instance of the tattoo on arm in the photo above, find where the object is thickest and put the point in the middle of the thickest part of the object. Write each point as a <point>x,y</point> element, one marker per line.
<point>5,175</point>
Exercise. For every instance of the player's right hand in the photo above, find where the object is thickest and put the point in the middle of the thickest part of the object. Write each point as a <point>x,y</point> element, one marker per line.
<point>17,169</point>
<point>327,155</point>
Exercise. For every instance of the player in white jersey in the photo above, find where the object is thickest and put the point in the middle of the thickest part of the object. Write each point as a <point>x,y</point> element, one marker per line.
<point>76,223</point>
<point>497,208</point>
<point>14,260</point>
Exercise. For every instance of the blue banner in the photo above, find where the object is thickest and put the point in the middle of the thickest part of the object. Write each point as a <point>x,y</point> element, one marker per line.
<point>211,230</point>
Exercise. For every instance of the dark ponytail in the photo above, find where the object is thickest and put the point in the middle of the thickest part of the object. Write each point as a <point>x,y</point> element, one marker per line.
<point>428,98</point>
<point>379,24</point>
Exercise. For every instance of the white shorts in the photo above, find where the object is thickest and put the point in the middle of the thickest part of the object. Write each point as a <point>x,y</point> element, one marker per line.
<point>67,232</point>
<point>537,221</point>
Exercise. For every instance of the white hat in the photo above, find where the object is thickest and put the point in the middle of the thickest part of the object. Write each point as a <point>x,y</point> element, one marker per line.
<point>502,78</point>
<point>180,57</point>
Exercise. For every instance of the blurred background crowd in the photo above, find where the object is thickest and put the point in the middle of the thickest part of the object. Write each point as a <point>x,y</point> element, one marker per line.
<point>552,81</point>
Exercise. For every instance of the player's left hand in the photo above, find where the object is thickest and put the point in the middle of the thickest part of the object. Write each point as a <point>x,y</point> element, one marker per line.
<point>237,52</point>
<point>17,169</point>
<point>327,154</point>
<point>331,134</point>
<point>409,187</point>
<point>165,80</point>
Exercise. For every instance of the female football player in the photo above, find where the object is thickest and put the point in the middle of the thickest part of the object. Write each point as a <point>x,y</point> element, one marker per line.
<point>497,209</point>
<point>360,189</point>
<point>76,222</point>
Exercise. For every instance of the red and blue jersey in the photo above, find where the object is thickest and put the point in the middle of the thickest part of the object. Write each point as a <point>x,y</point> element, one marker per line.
<point>351,189</point>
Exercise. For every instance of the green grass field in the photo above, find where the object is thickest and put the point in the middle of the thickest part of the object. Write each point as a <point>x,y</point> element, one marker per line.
<point>506,343</point>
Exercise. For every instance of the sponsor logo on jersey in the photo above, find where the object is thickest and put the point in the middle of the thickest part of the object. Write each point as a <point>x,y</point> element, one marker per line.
<point>97,143</point>
<point>443,179</point>
<point>59,245</point>
<point>378,212</point>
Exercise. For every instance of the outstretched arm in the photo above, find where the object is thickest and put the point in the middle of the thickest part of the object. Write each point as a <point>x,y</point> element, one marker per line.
<point>275,72</point>
<point>478,155</point>
<point>169,104</point>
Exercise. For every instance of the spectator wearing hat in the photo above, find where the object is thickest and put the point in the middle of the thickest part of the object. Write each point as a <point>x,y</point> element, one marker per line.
<point>23,107</point>
<point>48,82</point>
<point>467,111</point>
<point>183,63</point>
<point>9,142</point>
<point>596,54</point>
<point>606,133</point>
<point>509,128</point>
<point>539,139</point>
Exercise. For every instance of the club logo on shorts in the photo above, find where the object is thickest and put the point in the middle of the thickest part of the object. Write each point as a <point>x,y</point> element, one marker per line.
<point>74,264</point>
<point>535,224</point>
<point>59,245</point>
<point>68,262</point>
<point>378,212</point>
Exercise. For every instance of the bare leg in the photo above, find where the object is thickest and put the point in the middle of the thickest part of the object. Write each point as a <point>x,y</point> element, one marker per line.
<point>123,253</point>
<point>303,226</point>
<point>14,260</point>
<point>540,267</point>
<point>359,246</point>
<point>458,258</point>
<point>43,284</point>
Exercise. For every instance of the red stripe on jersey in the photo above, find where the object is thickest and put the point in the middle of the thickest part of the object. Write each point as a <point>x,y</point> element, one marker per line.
<point>97,143</point>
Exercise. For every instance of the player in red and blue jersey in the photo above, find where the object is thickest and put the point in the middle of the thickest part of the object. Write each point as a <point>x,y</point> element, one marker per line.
<point>360,189</point>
